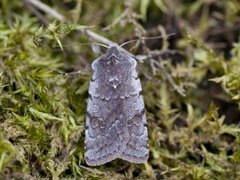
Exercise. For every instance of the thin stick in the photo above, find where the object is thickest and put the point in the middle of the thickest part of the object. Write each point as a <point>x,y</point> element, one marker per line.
<point>99,38</point>
<point>46,9</point>
<point>177,88</point>
<point>82,44</point>
<point>74,73</point>
<point>88,32</point>
<point>147,38</point>
<point>155,54</point>
<point>116,21</point>
<point>35,12</point>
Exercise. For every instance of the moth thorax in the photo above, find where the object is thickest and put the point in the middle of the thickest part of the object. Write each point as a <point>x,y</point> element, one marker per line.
<point>113,60</point>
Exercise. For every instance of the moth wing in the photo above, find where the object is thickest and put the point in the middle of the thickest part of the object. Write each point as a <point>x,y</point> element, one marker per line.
<point>136,150</point>
<point>105,134</point>
<point>116,121</point>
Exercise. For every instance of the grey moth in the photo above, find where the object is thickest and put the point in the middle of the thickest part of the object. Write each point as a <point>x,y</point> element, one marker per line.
<point>116,124</point>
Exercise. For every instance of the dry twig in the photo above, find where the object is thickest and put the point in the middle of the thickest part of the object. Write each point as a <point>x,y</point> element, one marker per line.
<point>43,7</point>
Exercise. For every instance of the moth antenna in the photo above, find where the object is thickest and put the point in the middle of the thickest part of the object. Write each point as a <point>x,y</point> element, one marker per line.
<point>83,44</point>
<point>145,38</point>
<point>100,44</point>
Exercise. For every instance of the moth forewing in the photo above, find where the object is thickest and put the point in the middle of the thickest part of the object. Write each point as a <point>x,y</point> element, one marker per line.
<point>116,120</point>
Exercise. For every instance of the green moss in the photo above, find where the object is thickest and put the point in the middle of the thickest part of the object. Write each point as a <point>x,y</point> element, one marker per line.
<point>196,136</point>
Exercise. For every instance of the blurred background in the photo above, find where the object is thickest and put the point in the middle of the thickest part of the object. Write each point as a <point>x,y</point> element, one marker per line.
<point>190,78</point>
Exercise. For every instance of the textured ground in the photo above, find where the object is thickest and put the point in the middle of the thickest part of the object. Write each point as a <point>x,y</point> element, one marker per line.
<point>190,79</point>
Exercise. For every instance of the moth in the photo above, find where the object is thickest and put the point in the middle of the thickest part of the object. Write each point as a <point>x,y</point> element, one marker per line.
<point>116,124</point>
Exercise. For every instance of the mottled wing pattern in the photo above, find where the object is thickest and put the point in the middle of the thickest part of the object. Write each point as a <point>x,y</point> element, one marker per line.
<point>116,121</point>
<point>136,150</point>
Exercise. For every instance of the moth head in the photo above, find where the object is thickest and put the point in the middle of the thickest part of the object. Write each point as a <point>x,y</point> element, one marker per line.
<point>113,55</point>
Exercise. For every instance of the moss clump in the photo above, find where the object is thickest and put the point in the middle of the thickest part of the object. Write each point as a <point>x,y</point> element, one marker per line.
<point>192,100</point>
